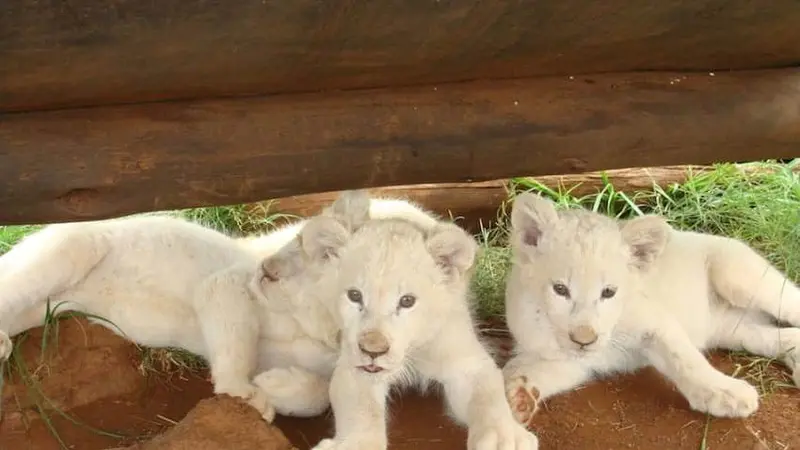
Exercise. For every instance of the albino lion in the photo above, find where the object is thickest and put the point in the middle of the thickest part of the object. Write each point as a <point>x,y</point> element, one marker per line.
<point>588,296</point>
<point>163,281</point>
<point>396,294</point>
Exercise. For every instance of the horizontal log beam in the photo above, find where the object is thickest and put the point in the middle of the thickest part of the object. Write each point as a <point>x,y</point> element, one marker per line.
<point>472,203</point>
<point>95,163</point>
<point>56,54</point>
<point>477,204</point>
<point>480,200</point>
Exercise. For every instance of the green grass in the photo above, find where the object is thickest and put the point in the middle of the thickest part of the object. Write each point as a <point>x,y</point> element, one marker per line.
<point>237,220</point>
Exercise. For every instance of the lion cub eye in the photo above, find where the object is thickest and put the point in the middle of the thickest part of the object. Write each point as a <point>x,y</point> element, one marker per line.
<point>561,289</point>
<point>355,296</point>
<point>608,292</point>
<point>407,301</point>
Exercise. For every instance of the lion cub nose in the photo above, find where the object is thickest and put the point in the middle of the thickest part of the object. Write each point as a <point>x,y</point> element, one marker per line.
<point>583,335</point>
<point>373,344</point>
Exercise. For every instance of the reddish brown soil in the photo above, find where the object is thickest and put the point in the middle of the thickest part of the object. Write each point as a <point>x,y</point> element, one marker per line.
<point>96,377</point>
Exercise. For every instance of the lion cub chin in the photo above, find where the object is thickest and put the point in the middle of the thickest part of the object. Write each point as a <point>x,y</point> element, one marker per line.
<point>397,292</point>
<point>591,295</point>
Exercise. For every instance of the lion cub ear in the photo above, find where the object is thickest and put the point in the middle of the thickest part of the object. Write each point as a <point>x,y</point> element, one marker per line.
<point>647,236</point>
<point>351,208</point>
<point>532,217</point>
<point>453,249</point>
<point>286,262</point>
<point>322,237</point>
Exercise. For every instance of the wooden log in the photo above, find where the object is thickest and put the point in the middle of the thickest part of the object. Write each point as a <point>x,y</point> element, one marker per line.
<point>476,204</point>
<point>481,200</point>
<point>103,162</point>
<point>472,204</point>
<point>90,52</point>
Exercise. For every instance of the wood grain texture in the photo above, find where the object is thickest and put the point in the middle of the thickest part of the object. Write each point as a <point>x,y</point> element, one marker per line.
<point>90,52</point>
<point>103,162</point>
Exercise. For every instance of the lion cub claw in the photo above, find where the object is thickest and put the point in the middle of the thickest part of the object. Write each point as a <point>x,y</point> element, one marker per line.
<point>523,399</point>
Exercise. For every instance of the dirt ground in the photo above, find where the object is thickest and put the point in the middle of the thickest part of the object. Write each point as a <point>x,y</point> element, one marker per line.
<point>96,377</point>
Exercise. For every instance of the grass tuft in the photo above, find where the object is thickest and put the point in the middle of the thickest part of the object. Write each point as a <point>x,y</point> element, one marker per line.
<point>237,220</point>
<point>169,362</point>
<point>488,281</point>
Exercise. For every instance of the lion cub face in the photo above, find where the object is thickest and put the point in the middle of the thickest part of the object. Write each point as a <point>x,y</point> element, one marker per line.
<point>391,284</point>
<point>578,268</point>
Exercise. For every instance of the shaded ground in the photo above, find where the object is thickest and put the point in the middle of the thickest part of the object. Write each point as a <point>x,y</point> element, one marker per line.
<point>97,378</point>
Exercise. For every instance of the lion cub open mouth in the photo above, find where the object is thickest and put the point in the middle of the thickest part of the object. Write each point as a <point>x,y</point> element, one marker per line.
<point>372,368</point>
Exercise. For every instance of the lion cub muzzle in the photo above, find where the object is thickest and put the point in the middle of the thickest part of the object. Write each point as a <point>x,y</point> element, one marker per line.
<point>373,344</point>
<point>583,335</point>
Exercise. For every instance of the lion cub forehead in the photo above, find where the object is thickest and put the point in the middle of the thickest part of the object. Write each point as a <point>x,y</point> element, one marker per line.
<point>388,243</point>
<point>387,230</point>
<point>583,234</point>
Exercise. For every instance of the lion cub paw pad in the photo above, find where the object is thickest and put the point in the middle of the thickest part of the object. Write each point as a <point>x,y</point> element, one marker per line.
<point>524,400</point>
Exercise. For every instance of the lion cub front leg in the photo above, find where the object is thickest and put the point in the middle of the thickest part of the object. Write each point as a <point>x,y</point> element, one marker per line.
<point>229,321</point>
<point>530,380</point>
<point>474,389</point>
<point>358,401</point>
<point>708,390</point>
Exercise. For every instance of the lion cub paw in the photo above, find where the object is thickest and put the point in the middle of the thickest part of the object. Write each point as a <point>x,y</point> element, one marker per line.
<point>523,398</point>
<point>351,444</point>
<point>6,346</point>
<point>502,436</point>
<point>254,397</point>
<point>726,397</point>
<point>283,382</point>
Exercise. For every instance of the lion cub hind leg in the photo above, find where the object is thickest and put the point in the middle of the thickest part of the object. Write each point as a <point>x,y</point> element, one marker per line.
<point>746,280</point>
<point>229,321</point>
<point>528,382</point>
<point>706,389</point>
<point>760,337</point>
<point>43,265</point>
<point>294,391</point>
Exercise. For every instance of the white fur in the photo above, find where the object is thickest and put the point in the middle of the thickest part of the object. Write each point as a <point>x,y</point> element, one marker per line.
<point>162,281</point>
<point>677,294</point>
<point>433,339</point>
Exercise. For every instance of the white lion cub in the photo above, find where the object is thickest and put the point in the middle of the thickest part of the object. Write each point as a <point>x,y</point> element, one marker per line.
<point>588,295</point>
<point>165,282</point>
<point>397,292</point>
